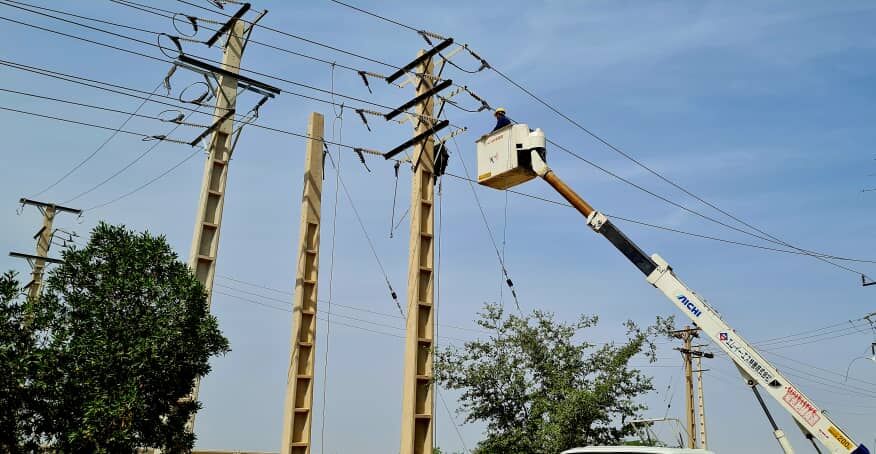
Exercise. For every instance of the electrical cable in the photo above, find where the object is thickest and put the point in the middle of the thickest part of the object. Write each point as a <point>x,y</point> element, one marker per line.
<point>668,229</point>
<point>367,236</point>
<point>92,106</point>
<point>91,83</point>
<point>273,77</point>
<point>121,170</point>
<point>329,301</point>
<point>82,123</point>
<point>334,303</point>
<point>771,238</point>
<point>318,317</point>
<point>253,41</point>
<point>96,150</point>
<point>487,225</point>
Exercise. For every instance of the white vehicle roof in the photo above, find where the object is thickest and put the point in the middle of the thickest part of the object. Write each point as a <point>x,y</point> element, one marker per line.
<point>634,450</point>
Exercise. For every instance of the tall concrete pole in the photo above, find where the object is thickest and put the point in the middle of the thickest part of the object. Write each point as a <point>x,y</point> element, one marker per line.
<point>298,408</point>
<point>417,388</point>
<point>205,240</point>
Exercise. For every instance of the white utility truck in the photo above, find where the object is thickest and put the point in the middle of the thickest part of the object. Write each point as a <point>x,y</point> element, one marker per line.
<point>513,155</point>
<point>634,450</point>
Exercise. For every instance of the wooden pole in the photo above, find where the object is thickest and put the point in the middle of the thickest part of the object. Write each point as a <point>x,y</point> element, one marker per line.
<point>417,389</point>
<point>205,240</point>
<point>298,409</point>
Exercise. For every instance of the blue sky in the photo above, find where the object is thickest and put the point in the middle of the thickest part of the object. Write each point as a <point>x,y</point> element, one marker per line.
<point>764,109</point>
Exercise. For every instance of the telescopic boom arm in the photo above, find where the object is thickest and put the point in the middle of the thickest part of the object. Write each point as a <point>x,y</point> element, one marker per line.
<point>757,371</point>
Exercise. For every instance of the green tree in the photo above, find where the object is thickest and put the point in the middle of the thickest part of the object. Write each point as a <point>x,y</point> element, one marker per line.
<point>18,418</point>
<point>541,390</point>
<point>123,330</point>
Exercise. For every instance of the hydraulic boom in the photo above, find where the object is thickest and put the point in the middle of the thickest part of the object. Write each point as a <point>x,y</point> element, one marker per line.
<point>757,370</point>
<point>514,154</point>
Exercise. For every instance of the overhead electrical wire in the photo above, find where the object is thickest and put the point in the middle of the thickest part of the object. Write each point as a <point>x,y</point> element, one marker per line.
<point>770,237</point>
<point>270,76</point>
<point>334,303</point>
<point>92,125</point>
<point>97,150</point>
<point>269,306</point>
<point>124,168</point>
<point>660,227</point>
<point>260,302</point>
<point>146,98</point>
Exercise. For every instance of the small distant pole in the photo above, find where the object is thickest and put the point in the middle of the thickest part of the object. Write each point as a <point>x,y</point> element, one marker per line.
<point>686,335</point>
<point>43,239</point>
<point>704,443</point>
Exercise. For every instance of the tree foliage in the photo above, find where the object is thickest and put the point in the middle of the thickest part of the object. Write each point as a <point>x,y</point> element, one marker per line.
<point>540,389</point>
<point>119,335</point>
<point>17,355</point>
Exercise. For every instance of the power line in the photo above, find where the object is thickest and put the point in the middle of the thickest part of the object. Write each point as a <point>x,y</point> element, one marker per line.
<point>96,150</point>
<point>298,37</point>
<point>147,183</point>
<point>660,227</point>
<point>92,106</point>
<point>269,306</point>
<point>121,170</point>
<point>345,306</point>
<point>158,12</point>
<point>82,123</point>
<point>270,76</point>
<point>770,238</point>
<point>378,16</point>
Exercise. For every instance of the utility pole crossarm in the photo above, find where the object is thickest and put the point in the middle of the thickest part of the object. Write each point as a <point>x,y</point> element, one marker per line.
<point>25,201</point>
<point>31,258</point>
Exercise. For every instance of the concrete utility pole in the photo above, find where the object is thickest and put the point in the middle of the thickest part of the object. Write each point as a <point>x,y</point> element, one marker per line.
<point>43,238</point>
<point>704,443</point>
<point>417,388</point>
<point>205,241</point>
<point>687,334</point>
<point>297,412</point>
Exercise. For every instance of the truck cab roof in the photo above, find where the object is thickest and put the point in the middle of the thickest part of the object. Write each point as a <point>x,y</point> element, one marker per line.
<point>634,450</point>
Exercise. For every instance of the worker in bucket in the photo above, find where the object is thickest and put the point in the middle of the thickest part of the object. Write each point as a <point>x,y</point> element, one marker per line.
<point>501,119</point>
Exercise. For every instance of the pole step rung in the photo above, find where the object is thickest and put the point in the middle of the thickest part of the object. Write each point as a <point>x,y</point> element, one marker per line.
<point>424,340</point>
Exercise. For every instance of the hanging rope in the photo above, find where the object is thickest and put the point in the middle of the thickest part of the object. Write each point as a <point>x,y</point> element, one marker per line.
<point>392,292</point>
<point>508,280</point>
<point>504,242</point>
<point>394,199</point>
<point>339,120</point>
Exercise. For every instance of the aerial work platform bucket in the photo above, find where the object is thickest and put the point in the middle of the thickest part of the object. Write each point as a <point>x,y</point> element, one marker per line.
<point>505,155</point>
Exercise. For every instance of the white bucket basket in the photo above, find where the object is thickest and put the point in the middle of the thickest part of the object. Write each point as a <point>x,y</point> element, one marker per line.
<point>504,156</point>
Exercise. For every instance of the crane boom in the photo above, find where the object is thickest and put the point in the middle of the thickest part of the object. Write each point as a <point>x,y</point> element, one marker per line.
<point>514,154</point>
<point>755,367</point>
